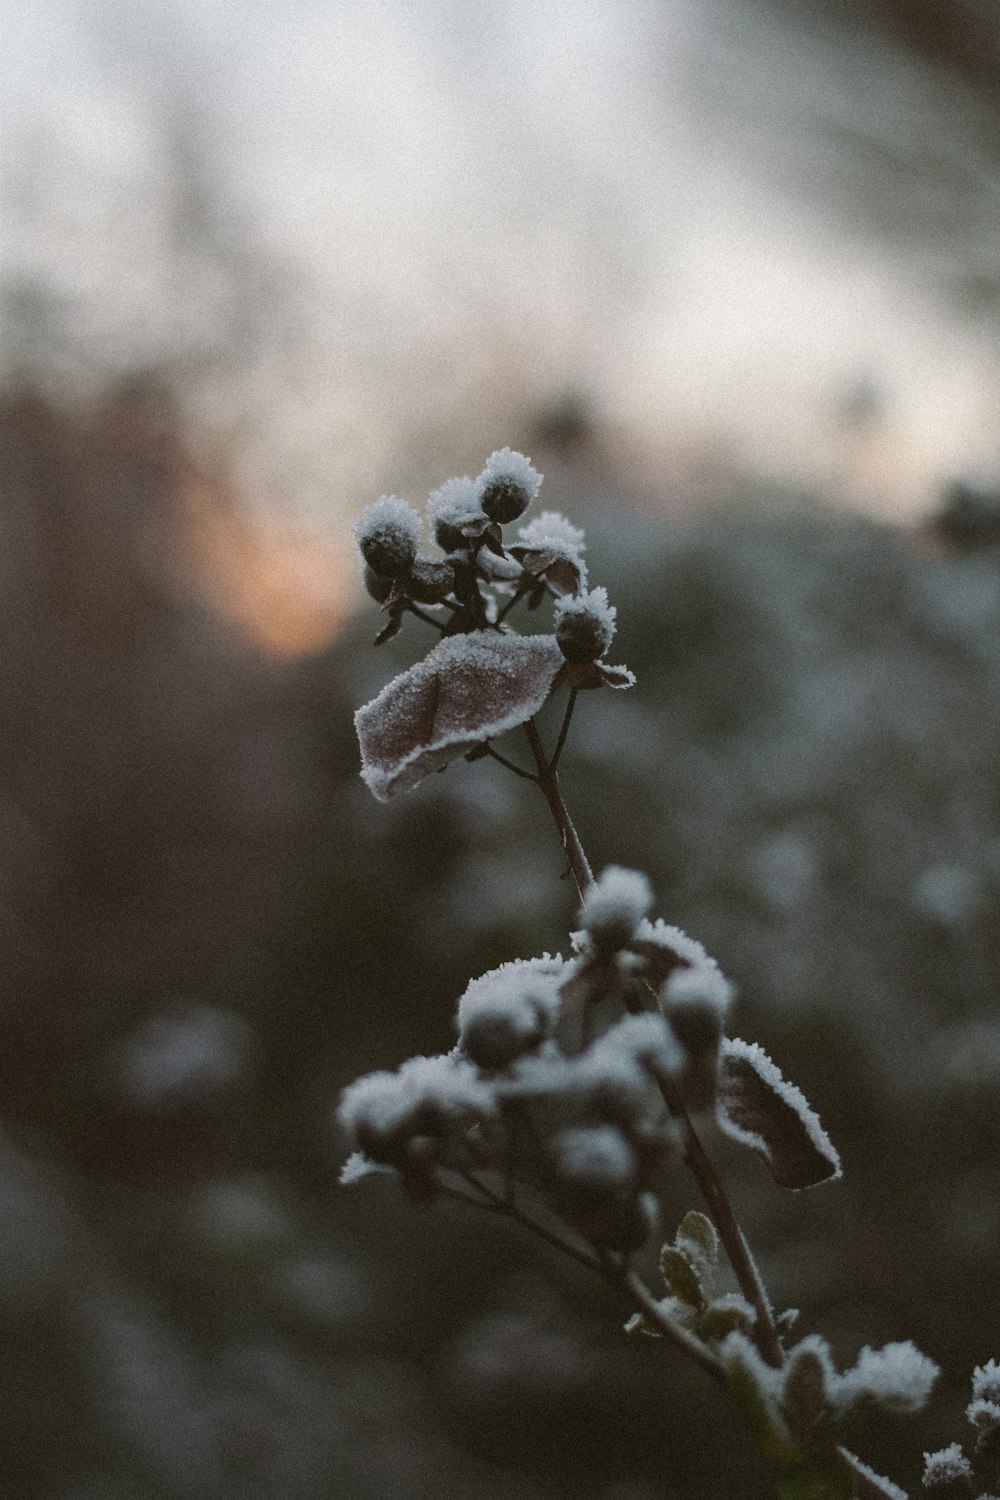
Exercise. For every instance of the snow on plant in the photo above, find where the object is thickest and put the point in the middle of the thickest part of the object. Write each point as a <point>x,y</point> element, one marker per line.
<point>569,1094</point>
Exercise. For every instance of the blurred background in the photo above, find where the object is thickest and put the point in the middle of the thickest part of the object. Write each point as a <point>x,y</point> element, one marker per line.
<point>729,270</point>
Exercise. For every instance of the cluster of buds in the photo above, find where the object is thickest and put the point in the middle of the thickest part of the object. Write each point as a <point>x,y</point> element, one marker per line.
<point>538,1100</point>
<point>951,1471</point>
<point>481,575</point>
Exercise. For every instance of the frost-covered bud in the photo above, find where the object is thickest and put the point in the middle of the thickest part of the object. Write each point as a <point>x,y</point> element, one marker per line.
<point>596,1159</point>
<point>509,1012</point>
<point>985,1418</point>
<point>385,1113</point>
<point>986,1382</point>
<point>378,586</point>
<point>507,485</point>
<point>454,505</point>
<point>948,1469</point>
<point>614,906</point>
<point>585,625</point>
<point>696,1001</point>
<point>388,535</point>
<point>897,1377</point>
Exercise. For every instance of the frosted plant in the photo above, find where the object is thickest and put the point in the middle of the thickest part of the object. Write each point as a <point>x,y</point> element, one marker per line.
<point>950,1471</point>
<point>570,1092</point>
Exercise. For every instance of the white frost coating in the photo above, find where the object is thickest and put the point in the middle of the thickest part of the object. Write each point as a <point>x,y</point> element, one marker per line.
<point>897,1377</point>
<point>469,688</point>
<point>596,1156</point>
<point>702,987</point>
<point>388,517</point>
<point>739,1355</point>
<point>662,935</point>
<point>593,604</point>
<point>456,503</point>
<point>986,1381</point>
<point>886,1487</point>
<point>359,1165</point>
<point>646,1040</point>
<point>617,901</point>
<point>946,1466</point>
<point>757,1058</point>
<point>984,1415</point>
<point>523,989</point>
<point>506,464</point>
<point>381,1103</point>
<point>816,1345</point>
<point>551,532</point>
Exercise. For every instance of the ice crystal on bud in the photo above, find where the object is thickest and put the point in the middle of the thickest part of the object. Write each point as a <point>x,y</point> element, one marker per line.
<point>984,1415</point>
<point>507,485</point>
<point>614,906</point>
<point>986,1382</point>
<point>454,505</point>
<point>388,534</point>
<point>425,1096</point>
<point>509,1011</point>
<point>551,532</point>
<point>585,625</point>
<point>945,1467</point>
<point>897,1377</point>
<point>702,988</point>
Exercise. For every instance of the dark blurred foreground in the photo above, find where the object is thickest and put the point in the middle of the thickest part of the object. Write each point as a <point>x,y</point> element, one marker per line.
<point>209,927</point>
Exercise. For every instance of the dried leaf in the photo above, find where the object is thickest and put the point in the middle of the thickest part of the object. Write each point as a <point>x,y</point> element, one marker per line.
<point>759,1108</point>
<point>616,677</point>
<point>470,688</point>
<point>562,574</point>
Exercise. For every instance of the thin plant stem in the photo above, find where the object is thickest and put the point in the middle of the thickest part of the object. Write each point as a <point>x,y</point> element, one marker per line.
<point>733,1239</point>
<point>603,1263</point>
<point>564,730</point>
<point>680,1337</point>
<point>518,770</point>
<point>514,599</point>
<point>549,783</point>
<point>414,609</point>
<point>498,1204</point>
<point>732,1236</point>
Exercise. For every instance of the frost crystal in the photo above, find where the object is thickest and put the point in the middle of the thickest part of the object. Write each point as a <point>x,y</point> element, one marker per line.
<point>551,532</point>
<point>884,1487</point>
<point>897,1377</point>
<point>614,906</point>
<point>984,1415</point>
<point>509,1011</point>
<point>946,1466</point>
<point>986,1381</point>
<point>388,534</point>
<point>585,625</point>
<point>358,1165</point>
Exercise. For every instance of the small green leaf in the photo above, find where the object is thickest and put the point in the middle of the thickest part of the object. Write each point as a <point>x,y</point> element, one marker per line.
<point>698,1240</point>
<point>827,1477</point>
<point>681,1277</point>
